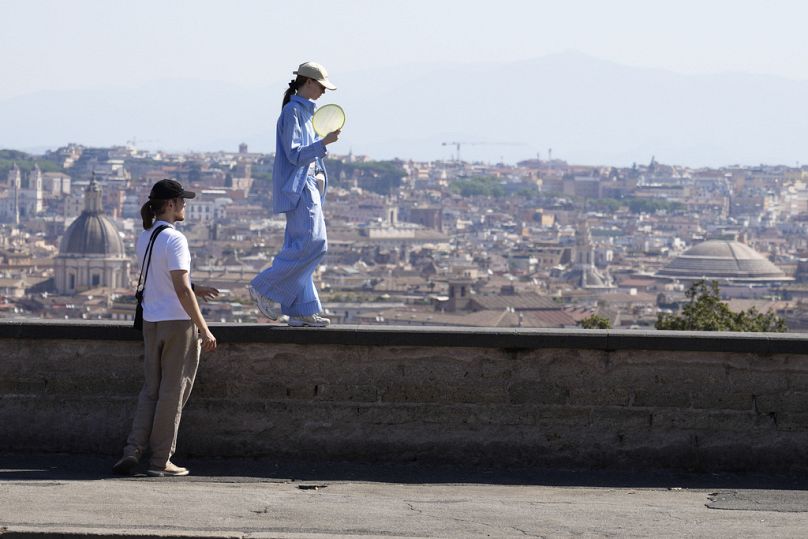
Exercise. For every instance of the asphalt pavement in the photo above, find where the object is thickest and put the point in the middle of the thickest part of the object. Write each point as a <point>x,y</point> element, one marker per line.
<point>78,496</point>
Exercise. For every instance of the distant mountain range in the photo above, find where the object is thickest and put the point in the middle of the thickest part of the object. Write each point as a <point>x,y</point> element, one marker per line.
<point>589,111</point>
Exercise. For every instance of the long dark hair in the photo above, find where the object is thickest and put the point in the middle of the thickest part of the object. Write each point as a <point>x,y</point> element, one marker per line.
<point>293,87</point>
<point>150,210</point>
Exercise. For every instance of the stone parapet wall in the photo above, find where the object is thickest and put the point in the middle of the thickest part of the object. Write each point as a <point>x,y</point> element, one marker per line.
<point>516,397</point>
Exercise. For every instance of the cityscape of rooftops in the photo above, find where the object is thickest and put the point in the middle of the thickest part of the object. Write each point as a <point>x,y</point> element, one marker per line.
<point>540,244</point>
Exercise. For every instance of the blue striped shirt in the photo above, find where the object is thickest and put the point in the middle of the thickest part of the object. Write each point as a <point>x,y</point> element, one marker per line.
<point>296,147</point>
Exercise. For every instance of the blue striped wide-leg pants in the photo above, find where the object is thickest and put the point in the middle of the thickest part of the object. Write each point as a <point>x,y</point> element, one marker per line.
<point>289,280</point>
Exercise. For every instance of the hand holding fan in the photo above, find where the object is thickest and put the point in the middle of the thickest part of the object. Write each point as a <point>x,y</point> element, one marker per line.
<point>328,119</point>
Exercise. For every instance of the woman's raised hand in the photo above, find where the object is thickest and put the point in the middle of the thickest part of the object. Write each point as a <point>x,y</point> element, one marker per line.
<point>331,137</point>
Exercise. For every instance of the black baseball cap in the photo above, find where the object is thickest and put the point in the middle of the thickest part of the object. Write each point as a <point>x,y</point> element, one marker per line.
<point>168,189</point>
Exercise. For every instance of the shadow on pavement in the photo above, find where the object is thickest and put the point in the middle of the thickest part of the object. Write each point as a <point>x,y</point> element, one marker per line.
<point>62,467</point>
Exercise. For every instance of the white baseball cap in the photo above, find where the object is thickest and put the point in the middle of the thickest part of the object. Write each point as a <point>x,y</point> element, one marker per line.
<point>315,71</point>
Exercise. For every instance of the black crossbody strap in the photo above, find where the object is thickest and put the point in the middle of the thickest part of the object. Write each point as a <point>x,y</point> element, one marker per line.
<point>147,257</point>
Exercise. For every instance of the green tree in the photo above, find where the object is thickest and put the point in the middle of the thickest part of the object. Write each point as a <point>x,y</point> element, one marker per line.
<point>25,162</point>
<point>14,155</point>
<point>478,186</point>
<point>596,321</point>
<point>706,312</point>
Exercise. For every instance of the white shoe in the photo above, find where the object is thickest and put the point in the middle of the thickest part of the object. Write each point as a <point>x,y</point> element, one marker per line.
<point>264,304</point>
<point>171,470</point>
<point>313,321</point>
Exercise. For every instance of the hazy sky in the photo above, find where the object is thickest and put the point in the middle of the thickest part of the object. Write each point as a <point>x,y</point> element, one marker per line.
<point>59,44</point>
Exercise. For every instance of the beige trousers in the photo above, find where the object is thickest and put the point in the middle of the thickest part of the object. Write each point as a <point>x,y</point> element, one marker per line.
<point>170,361</point>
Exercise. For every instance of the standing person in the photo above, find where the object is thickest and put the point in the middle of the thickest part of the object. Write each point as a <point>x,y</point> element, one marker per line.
<point>300,182</point>
<point>171,318</point>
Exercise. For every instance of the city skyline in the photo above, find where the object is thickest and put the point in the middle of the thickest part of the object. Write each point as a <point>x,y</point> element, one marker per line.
<point>543,244</point>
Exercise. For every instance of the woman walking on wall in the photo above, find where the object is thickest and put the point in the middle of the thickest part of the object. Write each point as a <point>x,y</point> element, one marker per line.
<point>300,183</point>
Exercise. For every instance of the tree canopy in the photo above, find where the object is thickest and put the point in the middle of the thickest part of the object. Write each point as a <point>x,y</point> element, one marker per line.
<point>706,312</point>
<point>596,321</point>
<point>478,186</point>
<point>25,162</point>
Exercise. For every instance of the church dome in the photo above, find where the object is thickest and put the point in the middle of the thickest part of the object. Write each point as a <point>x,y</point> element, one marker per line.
<point>722,260</point>
<point>92,233</point>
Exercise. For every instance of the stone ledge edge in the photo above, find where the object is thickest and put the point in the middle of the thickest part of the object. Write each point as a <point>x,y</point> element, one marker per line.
<point>434,336</point>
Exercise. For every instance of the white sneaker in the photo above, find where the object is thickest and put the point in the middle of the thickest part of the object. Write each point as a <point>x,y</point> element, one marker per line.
<point>264,304</point>
<point>171,470</point>
<point>313,321</point>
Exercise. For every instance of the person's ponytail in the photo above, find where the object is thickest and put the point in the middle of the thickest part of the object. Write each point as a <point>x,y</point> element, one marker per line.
<point>147,214</point>
<point>294,85</point>
<point>150,210</point>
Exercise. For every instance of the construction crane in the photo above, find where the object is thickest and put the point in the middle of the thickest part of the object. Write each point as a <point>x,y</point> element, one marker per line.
<point>458,144</point>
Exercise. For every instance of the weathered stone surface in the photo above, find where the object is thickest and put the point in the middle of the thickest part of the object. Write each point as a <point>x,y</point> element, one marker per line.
<point>346,392</point>
<point>538,392</point>
<point>362,399</point>
<point>759,380</point>
<point>788,402</point>
<point>790,421</point>
<point>621,419</point>
<point>712,421</point>
<point>711,396</point>
<point>797,381</point>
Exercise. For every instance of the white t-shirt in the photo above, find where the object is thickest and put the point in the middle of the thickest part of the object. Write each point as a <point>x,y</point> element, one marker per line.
<point>170,253</point>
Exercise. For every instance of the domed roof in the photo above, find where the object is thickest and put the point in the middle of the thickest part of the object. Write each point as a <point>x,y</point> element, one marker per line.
<point>92,234</point>
<point>722,259</point>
